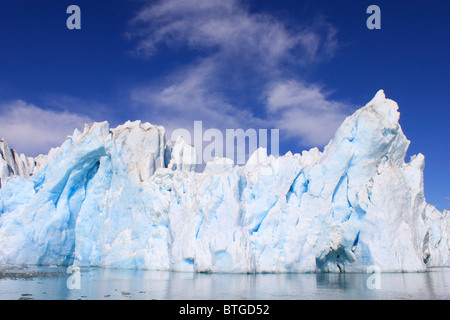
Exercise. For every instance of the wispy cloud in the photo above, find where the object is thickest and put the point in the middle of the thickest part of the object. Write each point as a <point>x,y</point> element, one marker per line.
<point>304,111</point>
<point>191,95</point>
<point>92,109</point>
<point>224,26</point>
<point>242,54</point>
<point>228,28</point>
<point>32,130</point>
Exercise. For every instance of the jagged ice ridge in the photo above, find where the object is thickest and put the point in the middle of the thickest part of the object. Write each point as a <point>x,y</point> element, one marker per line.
<point>124,198</point>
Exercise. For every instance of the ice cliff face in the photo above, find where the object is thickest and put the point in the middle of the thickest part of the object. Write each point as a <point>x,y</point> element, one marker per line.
<point>125,198</point>
<point>13,164</point>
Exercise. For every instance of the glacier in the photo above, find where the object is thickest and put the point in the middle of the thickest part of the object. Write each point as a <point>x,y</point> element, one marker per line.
<point>124,197</point>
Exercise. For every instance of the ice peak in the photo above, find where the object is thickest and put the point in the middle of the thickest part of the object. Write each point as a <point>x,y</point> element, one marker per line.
<point>379,96</point>
<point>184,156</point>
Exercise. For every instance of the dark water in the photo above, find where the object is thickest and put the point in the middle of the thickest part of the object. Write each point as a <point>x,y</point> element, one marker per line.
<point>97,284</point>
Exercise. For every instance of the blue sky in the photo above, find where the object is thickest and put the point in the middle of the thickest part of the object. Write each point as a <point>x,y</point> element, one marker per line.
<point>300,66</point>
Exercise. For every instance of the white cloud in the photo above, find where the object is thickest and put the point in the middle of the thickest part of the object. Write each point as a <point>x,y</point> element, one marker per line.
<point>251,53</point>
<point>209,24</point>
<point>191,96</point>
<point>32,130</point>
<point>304,111</point>
<point>229,29</point>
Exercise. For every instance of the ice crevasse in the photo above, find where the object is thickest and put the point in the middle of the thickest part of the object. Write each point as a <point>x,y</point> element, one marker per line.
<point>125,198</point>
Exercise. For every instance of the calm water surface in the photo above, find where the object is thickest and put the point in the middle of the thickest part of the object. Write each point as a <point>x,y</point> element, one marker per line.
<point>101,284</point>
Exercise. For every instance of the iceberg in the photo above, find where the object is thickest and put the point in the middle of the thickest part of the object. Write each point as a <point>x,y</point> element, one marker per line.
<point>124,197</point>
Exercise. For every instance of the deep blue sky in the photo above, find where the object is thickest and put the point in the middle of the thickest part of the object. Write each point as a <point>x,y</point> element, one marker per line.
<point>117,69</point>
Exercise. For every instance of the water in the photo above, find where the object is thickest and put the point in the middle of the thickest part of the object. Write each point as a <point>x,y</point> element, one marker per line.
<point>43,283</point>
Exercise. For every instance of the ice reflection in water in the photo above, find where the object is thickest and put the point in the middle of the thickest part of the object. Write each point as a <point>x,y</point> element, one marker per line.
<point>51,283</point>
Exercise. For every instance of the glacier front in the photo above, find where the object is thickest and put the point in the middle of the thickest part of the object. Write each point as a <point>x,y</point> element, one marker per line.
<point>125,198</point>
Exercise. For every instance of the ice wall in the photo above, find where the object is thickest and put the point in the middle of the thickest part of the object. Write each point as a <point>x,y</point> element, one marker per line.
<point>125,198</point>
